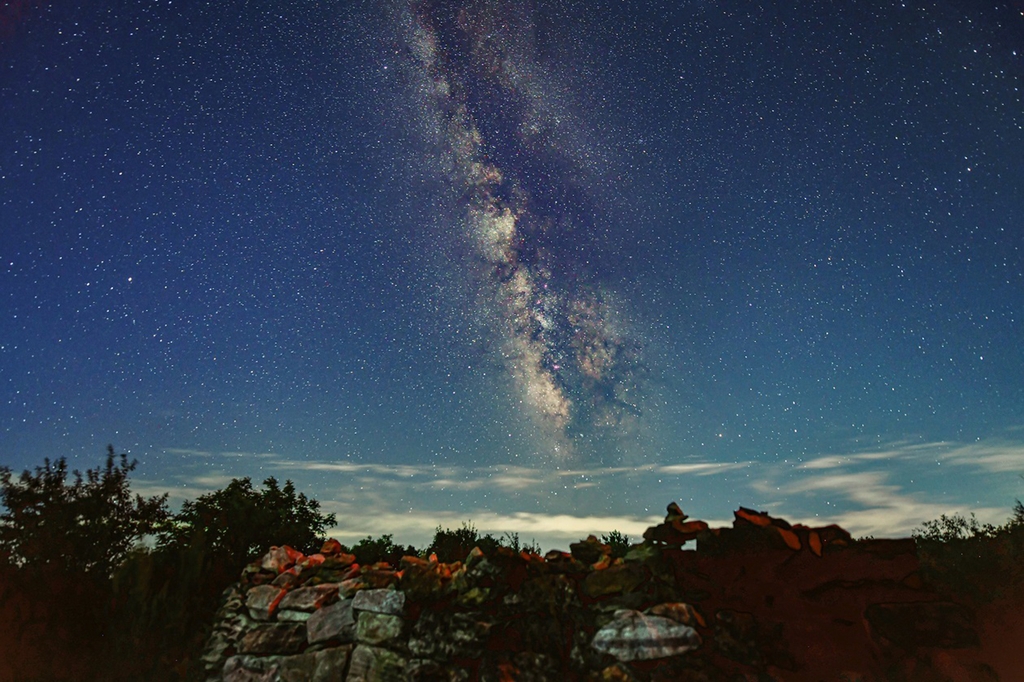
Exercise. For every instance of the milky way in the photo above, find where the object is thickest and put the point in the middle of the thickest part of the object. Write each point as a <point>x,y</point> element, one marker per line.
<point>565,346</point>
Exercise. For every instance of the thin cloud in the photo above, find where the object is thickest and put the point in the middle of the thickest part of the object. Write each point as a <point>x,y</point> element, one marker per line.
<point>993,458</point>
<point>189,452</point>
<point>702,468</point>
<point>549,530</point>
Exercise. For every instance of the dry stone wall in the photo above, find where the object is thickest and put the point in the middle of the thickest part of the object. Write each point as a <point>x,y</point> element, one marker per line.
<point>763,600</point>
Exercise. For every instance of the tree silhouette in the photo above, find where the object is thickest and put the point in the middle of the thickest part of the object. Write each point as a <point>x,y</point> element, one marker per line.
<point>239,522</point>
<point>87,526</point>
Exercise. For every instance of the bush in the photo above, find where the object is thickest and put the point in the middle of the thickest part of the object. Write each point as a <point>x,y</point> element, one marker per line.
<point>963,557</point>
<point>511,540</point>
<point>618,542</point>
<point>371,550</point>
<point>455,545</point>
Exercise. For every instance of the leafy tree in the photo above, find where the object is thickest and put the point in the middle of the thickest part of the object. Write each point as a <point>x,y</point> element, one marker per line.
<point>955,527</point>
<point>61,541</point>
<point>238,522</point>
<point>371,550</point>
<point>455,545</point>
<point>87,526</point>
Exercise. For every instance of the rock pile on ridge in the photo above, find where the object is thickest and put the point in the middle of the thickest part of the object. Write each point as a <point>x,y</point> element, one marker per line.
<point>763,600</point>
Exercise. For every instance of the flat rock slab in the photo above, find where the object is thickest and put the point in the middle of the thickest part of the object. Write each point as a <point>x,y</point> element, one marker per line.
<point>309,598</point>
<point>322,666</point>
<point>391,602</point>
<point>274,638</point>
<point>634,636</point>
<point>262,600</point>
<point>377,628</point>
<point>335,621</point>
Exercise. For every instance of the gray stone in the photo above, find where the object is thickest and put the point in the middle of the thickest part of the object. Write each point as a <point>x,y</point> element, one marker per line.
<point>309,598</point>
<point>445,636</point>
<point>332,622</point>
<point>250,669</point>
<point>423,670</point>
<point>274,638</point>
<point>293,616</point>
<point>330,664</point>
<point>391,602</point>
<point>377,628</point>
<point>322,666</point>
<point>634,636</point>
<point>373,664</point>
<point>260,599</point>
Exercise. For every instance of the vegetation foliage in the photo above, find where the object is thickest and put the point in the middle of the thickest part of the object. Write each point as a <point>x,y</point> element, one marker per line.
<point>967,558</point>
<point>72,567</point>
<point>239,522</point>
<point>371,550</point>
<point>91,523</point>
<point>618,542</point>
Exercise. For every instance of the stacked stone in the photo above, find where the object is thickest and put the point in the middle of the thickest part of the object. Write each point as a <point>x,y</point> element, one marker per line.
<point>577,615</point>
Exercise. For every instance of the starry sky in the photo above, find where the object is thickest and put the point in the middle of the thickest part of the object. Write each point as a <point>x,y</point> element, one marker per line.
<point>543,266</point>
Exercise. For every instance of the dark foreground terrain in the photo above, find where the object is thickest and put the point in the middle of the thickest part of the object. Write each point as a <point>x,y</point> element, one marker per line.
<point>761,600</point>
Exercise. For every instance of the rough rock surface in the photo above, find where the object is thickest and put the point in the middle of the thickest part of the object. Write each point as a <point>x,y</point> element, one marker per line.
<point>634,636</point>
<point>763,600</point>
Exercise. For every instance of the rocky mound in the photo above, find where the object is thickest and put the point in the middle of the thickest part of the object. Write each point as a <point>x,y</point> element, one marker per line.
<point>763,600</point>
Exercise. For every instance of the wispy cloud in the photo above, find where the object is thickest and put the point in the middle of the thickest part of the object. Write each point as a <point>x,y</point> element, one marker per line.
<point>702,468</point>
<point>189,452</point>
<point>992,457</point>
<point>549,530</point>
<point>883,491</point>
<point>869,500</point>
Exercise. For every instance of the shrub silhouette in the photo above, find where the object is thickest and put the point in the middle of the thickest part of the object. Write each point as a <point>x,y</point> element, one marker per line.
<point>455,545</point>
<point>618,542</point>
<point>372,550</point>
<point>961,556</point>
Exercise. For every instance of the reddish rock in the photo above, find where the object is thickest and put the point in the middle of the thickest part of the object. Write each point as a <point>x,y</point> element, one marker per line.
<point>309,598</point>
<point>923,624</point>
<point>262,601</point>
<point>679,612</point>
<point>331,547</point>
<point>280,559</point>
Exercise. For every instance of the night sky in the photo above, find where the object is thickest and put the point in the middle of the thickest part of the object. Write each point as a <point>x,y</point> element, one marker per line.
<point>543,266</point>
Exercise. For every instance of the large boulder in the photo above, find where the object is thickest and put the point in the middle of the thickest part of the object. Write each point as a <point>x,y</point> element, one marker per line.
<point>635,636</point>
<point>334,621</point>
